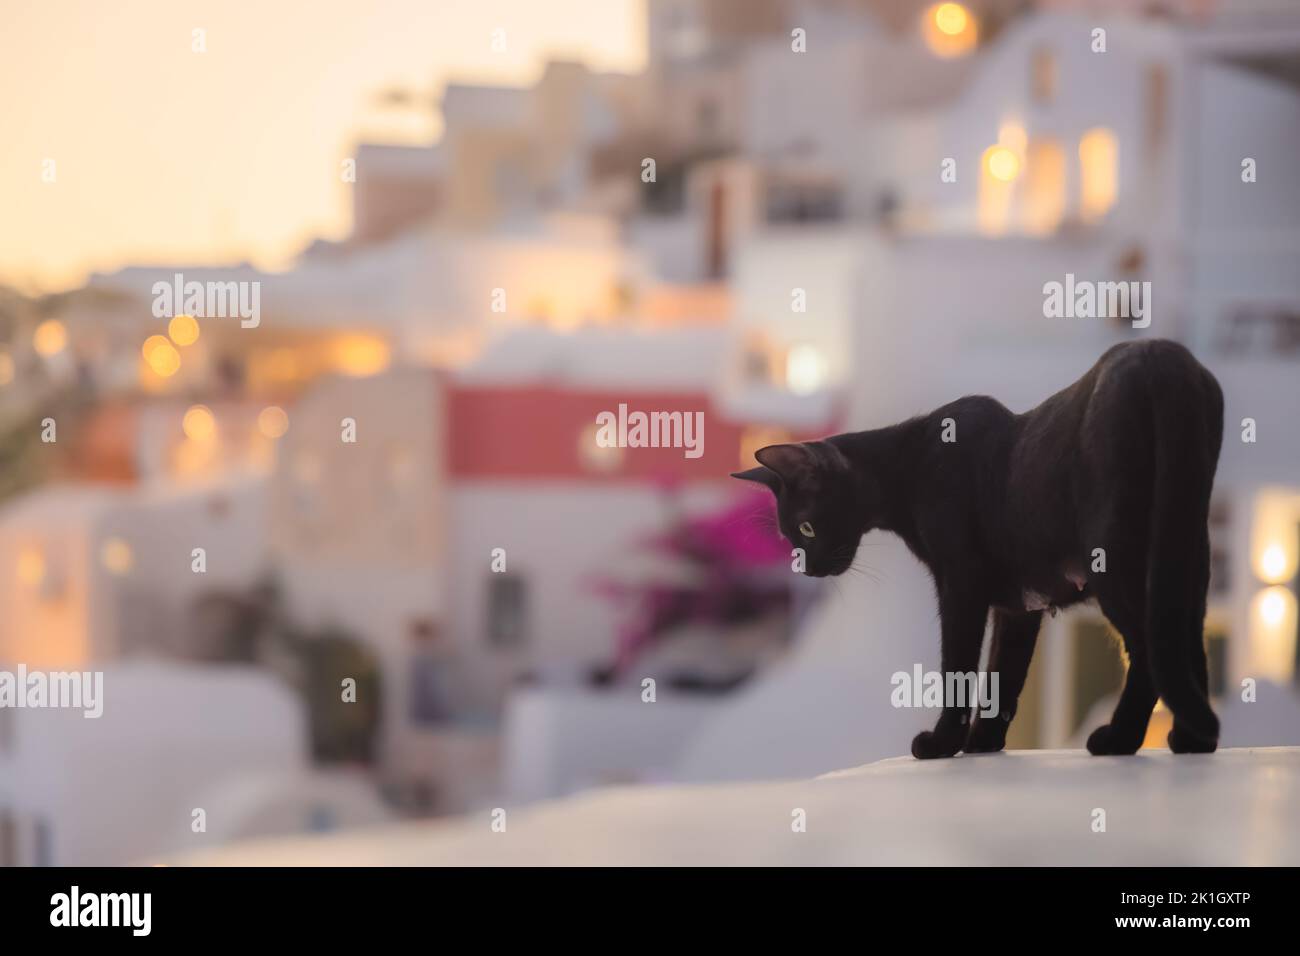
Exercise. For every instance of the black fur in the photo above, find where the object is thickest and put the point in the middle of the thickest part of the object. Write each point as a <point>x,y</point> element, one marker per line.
<point>1122,460</point>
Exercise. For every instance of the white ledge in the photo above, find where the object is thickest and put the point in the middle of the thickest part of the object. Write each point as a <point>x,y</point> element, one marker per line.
<point>1235,807</point>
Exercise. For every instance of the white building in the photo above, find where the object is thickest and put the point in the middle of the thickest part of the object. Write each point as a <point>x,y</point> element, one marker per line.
<point>1122,165</point>
<point>124,787</point>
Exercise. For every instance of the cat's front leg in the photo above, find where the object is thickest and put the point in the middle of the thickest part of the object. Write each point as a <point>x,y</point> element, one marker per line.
<point>1012,648</point>
<point>962,617</point>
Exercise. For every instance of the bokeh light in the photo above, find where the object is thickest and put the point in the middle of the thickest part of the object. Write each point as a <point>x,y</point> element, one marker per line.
<point>199,424</point>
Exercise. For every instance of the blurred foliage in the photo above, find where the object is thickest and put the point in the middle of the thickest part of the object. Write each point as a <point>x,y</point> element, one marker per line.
<point>25,460</point>
<point>254,627</point>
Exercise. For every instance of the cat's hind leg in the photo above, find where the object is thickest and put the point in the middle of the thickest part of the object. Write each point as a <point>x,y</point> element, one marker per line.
<point>1125,609</point>
<point>1181,739</point>
<point>1010,652</point>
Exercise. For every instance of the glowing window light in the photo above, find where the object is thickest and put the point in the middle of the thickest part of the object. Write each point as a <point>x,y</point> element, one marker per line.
<point>1044,198</point>
<point>151,345</point>
<point>360,356</point>
<point>949,29</point>
<point>116,556</point>
<point>161,356</point>
<point>805,370</point>
<point>199,424</point>
<point>31,567</point>
<point>1273,564</point>
<point>951,18</point>
<point>1002,163</point>
<point>272,421</point>
<point>1099,168</point>
<point>183,330</point>
<point>1273,634</point>
<point>50,338</point>
<point>602,459</point>
<point>1272,606</point>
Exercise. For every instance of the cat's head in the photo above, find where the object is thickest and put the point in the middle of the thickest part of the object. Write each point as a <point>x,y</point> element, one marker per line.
<point>818,502</point>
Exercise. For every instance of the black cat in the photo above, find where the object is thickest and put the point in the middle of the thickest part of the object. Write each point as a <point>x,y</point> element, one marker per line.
<point>1008,512</point>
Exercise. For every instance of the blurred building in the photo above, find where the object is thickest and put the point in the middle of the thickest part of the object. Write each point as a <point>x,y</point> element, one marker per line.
<point>790,242</point>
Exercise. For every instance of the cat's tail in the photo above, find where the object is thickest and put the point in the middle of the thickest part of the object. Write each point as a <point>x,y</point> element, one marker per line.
<point>1187,409</point>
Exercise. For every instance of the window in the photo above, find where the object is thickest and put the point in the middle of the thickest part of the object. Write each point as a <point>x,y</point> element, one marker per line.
<point>430,677</point>
<point>1043,75</point>
<point>999,170</point>
<point>6,730</point>
<point>44,842</point>
<point>789,202</point>
<point>1156,107</point>
<point>706,118</point>
<point>1043,201</point>
<point>1099,168</point>
<point>507,610</point>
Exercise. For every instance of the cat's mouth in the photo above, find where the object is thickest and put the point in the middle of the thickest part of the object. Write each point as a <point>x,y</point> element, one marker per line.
<point>833,571</point>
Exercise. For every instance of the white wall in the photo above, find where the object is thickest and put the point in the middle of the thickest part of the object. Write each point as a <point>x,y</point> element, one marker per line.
<point>85,612</point>
<point>828,264</point>
<point>1245,114</point>
<point>1093,89</point>
<point>357,527</point>
<point>121,788</point>
<point>561,538</point>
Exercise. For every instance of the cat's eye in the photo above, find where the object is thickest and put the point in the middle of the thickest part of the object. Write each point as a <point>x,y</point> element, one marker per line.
<point>806,530</point>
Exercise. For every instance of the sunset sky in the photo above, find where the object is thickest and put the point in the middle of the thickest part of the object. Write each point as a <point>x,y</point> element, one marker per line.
<point>164,155</point>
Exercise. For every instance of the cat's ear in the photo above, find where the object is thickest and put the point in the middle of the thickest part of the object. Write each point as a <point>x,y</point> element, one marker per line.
<point>792,463</point>
<point>764,476</point>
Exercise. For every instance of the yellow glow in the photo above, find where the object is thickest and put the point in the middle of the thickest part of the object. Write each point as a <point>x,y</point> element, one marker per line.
<point>1002,163</point>
<point>1272,606</point>
<point>759,436</point>
<point>199,424</point>
<point>1099,169</point>
<point>805,370</point>
<point>949,29</point>
<point>596,457</point>
<point>283,364</point>
<point>951,18</point>
<point>103,214</point>
<point>161,356</point>
<point>1273,544</point>
<point>116,556</point>
<point>360,355</point>
<point>183,329</point>
<point>999,167</point>
<point>50,338</point>
<point>1273,634</point>
<point>1012,135</point>
<point>31,567</point>
<point>151,344</point>
<point>1043,201</point>
<point>272,421</point>
<point>1273,563</point>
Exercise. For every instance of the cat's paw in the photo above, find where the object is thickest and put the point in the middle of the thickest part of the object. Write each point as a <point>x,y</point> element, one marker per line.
<point>927,745</point>
<point>1182,742</point>
<point>986,736</point>
<point>1107,741</point>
